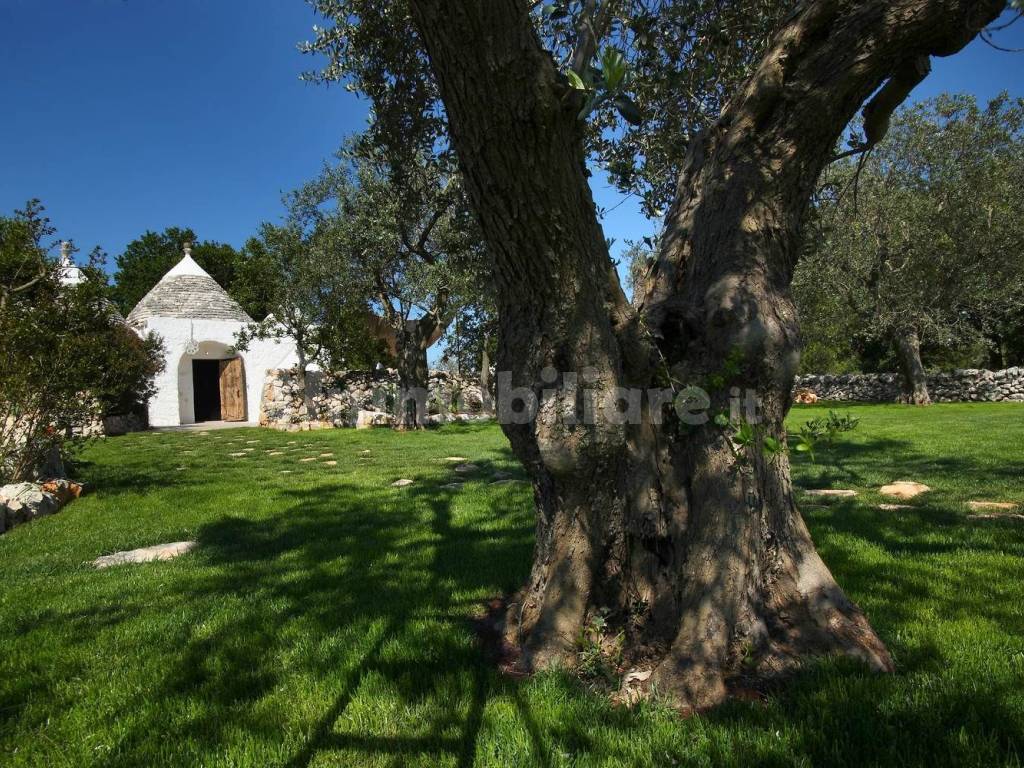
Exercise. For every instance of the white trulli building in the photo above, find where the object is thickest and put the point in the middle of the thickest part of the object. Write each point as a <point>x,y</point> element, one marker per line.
<point>204,379</point>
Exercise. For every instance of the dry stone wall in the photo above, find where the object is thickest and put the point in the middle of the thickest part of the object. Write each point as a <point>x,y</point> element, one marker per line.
<point>963,385</point>
<point>338,398</point>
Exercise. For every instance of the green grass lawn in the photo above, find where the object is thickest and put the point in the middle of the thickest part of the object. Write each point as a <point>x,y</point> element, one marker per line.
<point>323,621</point>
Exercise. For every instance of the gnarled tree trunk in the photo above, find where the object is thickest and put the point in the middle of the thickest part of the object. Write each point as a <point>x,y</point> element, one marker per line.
<point>413,341</point>
<point>692,545</point>
<point>409,344</point>
<point>914,378</point>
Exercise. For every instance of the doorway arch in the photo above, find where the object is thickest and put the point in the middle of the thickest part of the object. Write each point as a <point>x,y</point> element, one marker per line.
<point>219,371</point>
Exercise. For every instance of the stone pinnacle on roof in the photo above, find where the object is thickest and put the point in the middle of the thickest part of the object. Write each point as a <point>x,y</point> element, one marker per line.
<point>187,291</point>
<point>70,273</point>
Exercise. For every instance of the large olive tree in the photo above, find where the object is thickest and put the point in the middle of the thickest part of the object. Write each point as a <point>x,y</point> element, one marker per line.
<point>691,542</point>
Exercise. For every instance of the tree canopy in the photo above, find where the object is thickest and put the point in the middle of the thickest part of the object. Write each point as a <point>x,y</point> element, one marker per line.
<point>399,227</point>
<point>68,359</point>
<point>922,235</point>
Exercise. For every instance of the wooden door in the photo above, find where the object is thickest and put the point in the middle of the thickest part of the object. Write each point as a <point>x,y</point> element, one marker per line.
<point>232,390</point>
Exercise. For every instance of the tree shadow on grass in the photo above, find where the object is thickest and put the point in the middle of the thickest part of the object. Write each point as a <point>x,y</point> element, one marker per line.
<point>343,566</point>
<point>336,631</point>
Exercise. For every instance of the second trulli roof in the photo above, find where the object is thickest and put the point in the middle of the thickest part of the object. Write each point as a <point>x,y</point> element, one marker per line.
<point>187,291</point>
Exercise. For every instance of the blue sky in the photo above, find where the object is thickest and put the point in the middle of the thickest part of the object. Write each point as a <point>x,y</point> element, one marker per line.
<point>127,115</point>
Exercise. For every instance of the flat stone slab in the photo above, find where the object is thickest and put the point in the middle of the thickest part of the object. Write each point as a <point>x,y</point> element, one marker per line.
<point>997,516</point>
<point>466,468</point>
<point>401,483</point>
<point>893,507</point>
<point>146,554</point>
<point>831,493</point>
<point>904,489</point>
<point>992,506</point>
<point>331,463</point>
<point>456,458</point>
<point>452,486</point>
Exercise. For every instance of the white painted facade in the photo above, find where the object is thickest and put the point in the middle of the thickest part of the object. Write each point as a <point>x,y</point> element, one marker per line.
<point>175,310</point>
<point>173,404</point>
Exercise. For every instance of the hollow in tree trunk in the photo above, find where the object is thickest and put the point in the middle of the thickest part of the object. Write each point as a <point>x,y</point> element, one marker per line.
<point>914,380</point>
<point>691,544</point>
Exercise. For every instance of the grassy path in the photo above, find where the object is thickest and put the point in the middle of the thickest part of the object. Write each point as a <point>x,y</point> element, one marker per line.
<point>323,619</point>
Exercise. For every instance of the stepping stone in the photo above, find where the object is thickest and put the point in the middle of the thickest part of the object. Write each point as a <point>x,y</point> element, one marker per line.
<point>364,453</point>
<point>308,458</point>
<point>996,516</point>
<point>286,471</point>
<point>248,450</point>
<point>204,433</point>
<point>456,458</point>
<point>326,455</point>
<point>893,507</point>
<point>330,463</point>
<point>146,554</point>
<point>501,476</point>
<point>466,468</point>
<point>401,483</point>
<point>904,489</point>
<point>507,481</point>
<point>831,493</point>
<point>992,506</point>
<point>275,453</point>
<point>251,442</point>
<point>290,442</point>
<point>239,455</point>
<point>452,486</point>
<point>179,469</point>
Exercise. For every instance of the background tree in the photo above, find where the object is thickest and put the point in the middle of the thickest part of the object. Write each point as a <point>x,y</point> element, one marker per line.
<point>67,358</point>
<point>309,299</point>
<point>403,234</point>
<point>919,241</point>
<point>690,541</point>
<point>472,341</point>
<point>148,258</point>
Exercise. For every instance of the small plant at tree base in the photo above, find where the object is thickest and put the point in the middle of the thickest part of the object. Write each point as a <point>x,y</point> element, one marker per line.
<point>599,654</point>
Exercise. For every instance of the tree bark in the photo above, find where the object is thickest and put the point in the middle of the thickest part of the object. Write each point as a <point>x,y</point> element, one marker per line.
<point>413,340</point>
<point>692,546</point>
<point>914,378</point>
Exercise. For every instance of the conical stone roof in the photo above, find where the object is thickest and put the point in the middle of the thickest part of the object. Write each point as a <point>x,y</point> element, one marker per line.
<point>187,291</point>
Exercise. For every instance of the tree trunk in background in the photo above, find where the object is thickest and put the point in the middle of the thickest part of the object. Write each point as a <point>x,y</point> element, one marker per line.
<point>487,399</point>
<point>914,378</point>
<point>413,341</point>
<point>308,411</point>
<point>691,545</point>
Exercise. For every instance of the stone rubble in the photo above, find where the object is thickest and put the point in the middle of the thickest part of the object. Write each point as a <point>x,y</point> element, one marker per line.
<point>24,502</point>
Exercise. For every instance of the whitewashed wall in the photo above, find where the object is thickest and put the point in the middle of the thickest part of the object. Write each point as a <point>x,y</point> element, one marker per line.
<point>173,403</point>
